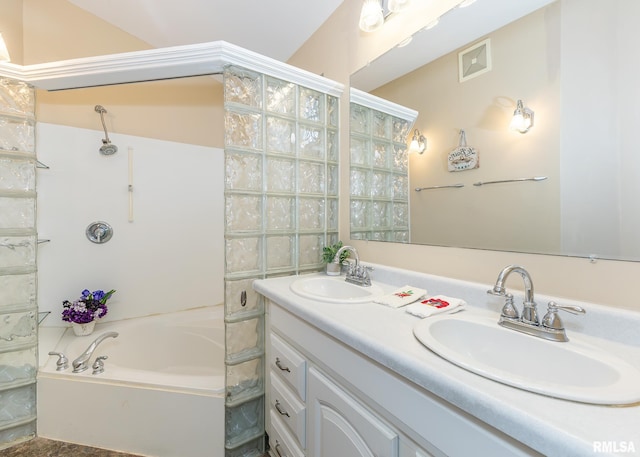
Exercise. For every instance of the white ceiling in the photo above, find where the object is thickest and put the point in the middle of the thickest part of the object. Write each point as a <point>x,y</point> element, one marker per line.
<point>274,28</point>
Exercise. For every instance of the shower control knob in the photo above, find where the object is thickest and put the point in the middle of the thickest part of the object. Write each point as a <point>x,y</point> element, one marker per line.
<point>99,232</point>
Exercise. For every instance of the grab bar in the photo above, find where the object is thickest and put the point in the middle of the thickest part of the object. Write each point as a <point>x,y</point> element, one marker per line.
<point>535,178</point>
<point>419,189</point>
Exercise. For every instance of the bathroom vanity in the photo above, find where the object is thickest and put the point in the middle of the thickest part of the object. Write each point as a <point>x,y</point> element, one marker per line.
<point>350,379</point>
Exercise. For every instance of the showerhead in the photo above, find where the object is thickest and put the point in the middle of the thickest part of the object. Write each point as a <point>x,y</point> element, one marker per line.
<point>107,148</point>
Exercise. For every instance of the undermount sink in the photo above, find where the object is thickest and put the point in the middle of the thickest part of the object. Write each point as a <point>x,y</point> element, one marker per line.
<point>334,289</point>
<point>574,370</point>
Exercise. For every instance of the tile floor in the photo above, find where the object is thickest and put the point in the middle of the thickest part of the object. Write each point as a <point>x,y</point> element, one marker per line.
<point>42,447</point>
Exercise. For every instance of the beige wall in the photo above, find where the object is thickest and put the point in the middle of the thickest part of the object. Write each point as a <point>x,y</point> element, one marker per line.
<point>337,50</point>
<point>184,110</point>
<point>515,217</point>
<point>605,282</point>
<point>11,28</point>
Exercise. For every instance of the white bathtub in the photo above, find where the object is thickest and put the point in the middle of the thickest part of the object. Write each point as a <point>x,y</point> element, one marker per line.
<point>161,394</point>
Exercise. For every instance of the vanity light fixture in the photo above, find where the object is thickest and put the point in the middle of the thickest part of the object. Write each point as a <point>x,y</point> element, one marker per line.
<point>405,42</point>
<point>395,6</point>
<point>431,24</point>
<point>465,3</point>
<point>418,142</point>
<point>4,52</point>
<point>371,18</point>
<point>522,119</point>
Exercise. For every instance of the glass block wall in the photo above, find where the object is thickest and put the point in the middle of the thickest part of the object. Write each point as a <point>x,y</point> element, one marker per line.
<point>281,208</point>
<point>18,308</point>
<point>379,175</point>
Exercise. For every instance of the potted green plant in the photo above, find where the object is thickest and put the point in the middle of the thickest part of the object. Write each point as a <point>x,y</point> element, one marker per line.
<point>329,253</point>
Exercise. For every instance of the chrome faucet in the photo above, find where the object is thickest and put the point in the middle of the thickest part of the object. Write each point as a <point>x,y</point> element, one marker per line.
<point>530,311</point>
<point>551,327</point>
<point>82,362</point>
<point>357,274</point>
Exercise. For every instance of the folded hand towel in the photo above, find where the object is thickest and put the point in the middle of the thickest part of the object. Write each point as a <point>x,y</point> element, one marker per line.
<point>401,297</point>
<point>435,305</point>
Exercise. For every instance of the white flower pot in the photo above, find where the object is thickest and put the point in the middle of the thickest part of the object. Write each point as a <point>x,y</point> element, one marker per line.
<point>83,329</point>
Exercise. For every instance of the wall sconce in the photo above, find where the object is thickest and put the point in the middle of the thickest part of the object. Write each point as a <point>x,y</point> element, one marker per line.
<point>418,142</point>
<point>522,119</point>
<point>4,52</point>
<point>371,18</point>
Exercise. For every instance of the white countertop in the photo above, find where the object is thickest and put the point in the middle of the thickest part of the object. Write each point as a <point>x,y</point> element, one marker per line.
<point>550,426</point>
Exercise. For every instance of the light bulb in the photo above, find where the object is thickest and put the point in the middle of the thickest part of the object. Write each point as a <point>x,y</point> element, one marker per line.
<point>395,6</point>
<point>371,17</point>
<point>418,142</point>
<point>522,119</point>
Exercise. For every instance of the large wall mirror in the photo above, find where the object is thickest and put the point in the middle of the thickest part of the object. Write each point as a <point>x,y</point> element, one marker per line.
<point>572,62</point>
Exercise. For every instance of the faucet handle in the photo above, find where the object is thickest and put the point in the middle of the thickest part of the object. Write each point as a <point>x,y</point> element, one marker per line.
<point>552,320</point>
<point>98,365</point>
<point>509,310</point>
<point>62,363</point>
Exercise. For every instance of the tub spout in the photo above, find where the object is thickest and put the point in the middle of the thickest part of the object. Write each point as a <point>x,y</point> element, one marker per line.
<point>82,362</point>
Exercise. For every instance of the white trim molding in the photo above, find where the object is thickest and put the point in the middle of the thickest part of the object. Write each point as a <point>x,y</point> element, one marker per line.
<point>163,63</point>
<point>382,105</point>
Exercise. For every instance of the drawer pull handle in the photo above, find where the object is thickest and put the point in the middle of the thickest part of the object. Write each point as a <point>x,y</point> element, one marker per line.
<point>280,410</point>
<point>283,368</point>
<point>277,448</point>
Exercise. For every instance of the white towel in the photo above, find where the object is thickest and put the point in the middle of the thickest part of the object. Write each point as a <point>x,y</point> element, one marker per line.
<point>401,297</point>
<point>436,305</point>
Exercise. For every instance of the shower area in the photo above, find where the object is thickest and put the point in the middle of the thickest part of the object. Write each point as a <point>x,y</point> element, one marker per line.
<point>18,287</point>
<point>277,205</point>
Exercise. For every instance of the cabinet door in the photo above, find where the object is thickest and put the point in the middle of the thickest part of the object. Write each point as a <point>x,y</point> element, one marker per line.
<point>340,426</point>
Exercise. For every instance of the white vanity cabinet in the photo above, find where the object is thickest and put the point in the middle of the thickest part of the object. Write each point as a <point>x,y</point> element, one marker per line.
<point>326,399</point>
<point>340,425</point>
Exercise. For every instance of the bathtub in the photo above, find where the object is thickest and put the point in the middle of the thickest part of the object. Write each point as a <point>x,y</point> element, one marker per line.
<point>161,394</point>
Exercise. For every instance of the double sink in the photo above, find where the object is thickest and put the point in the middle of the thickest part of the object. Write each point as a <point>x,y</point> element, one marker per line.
<point>576,370</point>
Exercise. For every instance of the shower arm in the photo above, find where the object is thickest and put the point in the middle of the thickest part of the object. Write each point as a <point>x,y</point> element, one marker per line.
<point>100,109</point>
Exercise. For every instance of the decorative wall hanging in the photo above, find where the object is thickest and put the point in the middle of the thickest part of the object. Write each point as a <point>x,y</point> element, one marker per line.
<point>474,60</point>
<point>463,157</point>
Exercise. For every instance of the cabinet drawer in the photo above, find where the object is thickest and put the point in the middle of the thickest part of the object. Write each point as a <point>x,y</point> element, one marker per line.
<point>285,404</point>
<point>289,365</point>
<point>281,442</point>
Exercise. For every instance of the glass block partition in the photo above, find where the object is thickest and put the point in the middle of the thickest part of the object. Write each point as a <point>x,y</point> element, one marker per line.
<point>281,208</point>
<point>18,308</point>
<point>379,175</point>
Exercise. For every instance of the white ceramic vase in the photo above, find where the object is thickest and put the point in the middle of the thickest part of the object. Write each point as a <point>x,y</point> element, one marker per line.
<point>83,329</point>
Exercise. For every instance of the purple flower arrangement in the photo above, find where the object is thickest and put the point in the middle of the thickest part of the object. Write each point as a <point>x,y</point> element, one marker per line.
<point>90,306</point>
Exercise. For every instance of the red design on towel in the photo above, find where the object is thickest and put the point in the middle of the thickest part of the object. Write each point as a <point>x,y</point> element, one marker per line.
<point>408,293</point>
<point>436,302</point>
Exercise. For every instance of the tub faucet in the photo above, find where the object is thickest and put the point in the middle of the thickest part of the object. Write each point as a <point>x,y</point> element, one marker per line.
<point>357,274</point>
<point>551,327</point>
<point>82,362</point>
